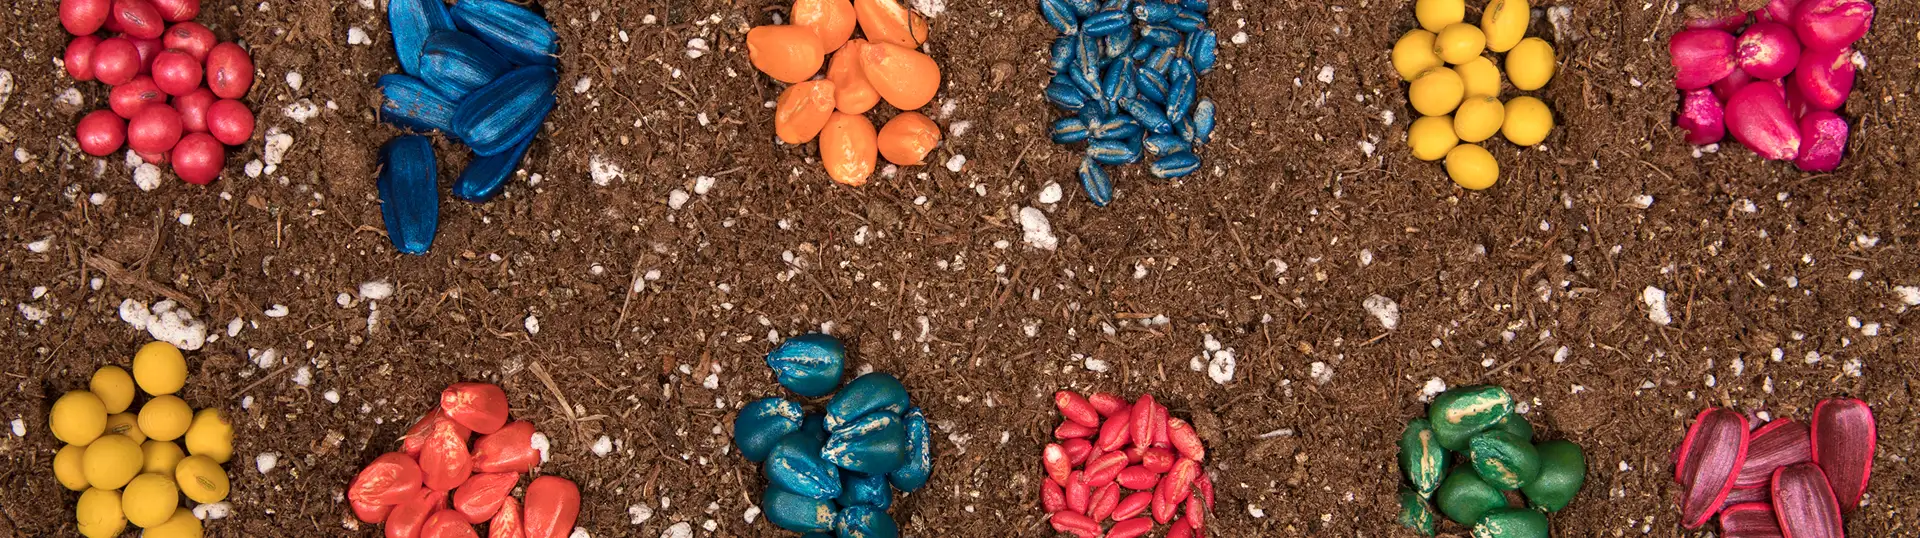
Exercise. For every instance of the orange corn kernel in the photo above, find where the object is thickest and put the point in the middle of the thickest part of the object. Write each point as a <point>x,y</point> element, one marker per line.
<point>852,93</point>
<point>789,54</point>
<point>831,20</point>
<point>906,78</point>
<point>908,138</point>
<point>803,111</point>
<point>886,21</point>
<point>847,149</point>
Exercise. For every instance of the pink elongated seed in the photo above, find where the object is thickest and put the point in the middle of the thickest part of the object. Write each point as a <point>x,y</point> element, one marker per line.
<point>1107,404</point>
<point>1130,528</point>
<point>1142,420</point>
<point>1053,498</point>
<point>1714,450</point>
<point>1832,24</point>
<point>1767,50</point>
<point>1077,450</point>
<point>1701,57</point>
<point>1132,505</point>
<point>1073,430</point>
<point>1137,478</point>
<point>1102,471</point>
<point>1703,117</point>
<point>1185,440</point>
<point>1076,408</point>
<point>1845,437</point>
<point>1825,78</point>
<point>1075,523</point>
<point>1104,501</point>
<point>1079,496</point>
<point>1116,432</point>
<point>1759,118</point>
<point>1054,459</point>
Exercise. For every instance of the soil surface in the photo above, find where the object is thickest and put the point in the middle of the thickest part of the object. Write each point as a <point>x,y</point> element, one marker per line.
<point>651,321</point>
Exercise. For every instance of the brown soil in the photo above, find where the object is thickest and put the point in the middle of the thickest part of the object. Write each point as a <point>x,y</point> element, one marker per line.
<point>1555,257</point>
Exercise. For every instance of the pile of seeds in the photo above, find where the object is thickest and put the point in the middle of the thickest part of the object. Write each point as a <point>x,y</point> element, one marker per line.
<point>408,490</point>
<point>1456,88</point>
<point>129,464</point>
<point>483,74</point>
<point>1129,73</point>
<point>834,472</point>
<point>1109,446</point>
<point>1497,455</point>
<point>1786,478</point>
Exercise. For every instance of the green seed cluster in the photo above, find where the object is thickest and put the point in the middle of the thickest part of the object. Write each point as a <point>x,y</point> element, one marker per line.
<point>1469,452</point>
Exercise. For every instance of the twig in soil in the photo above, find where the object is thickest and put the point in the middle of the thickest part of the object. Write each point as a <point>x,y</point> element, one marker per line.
<point>118,273</point>
<point>159,236</point>
<point>566,408</point>
<point>632,288</point>
<point>269,377</point>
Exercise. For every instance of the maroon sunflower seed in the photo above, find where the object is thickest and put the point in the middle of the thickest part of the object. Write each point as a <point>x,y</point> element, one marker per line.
<point>1778,444</point>
<point>1749,520</point>
<point>1711,456</point>
<point>1844,439</point>
<point>1762,494</point>
<point>1804,504</point>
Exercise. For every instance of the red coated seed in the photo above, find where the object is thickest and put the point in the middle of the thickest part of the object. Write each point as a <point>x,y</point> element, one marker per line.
<point>1132,505</point>
<point>1181,529</point>
<point>1160,417</point>
<point>156,159</point>
<point>230,122</point>
<point>1158,460</point>
<point>1137,478</point>
<point>177,10</point>
<point>129,99</point>
<point>229,71</point>
<point>115,61</point>
<point>1079,495</point>
<point>1073,430</point>
<point>1055,460</point>
<point>1130,528</point>
<point>176,72</point>
<point>1206,489</point>
<point>190,37</point>
<point>79,57</point>
<point>1053,498</point>
<point>84,17</point>
<point>1178,484</point>
<point>1077,451</point>
<point>1185,440</point>
<point>1104,501</point>
<point>1075,523</point>
<point>138,18</point>
<point>1076,408</point>
<point>193,109</point>
<point>1107,404</point>
<point>1162,508</point>
<point>1142,420</point>
<point>101,132</point>
<point>1196,516</point>
<point>1115,433</point>
<point>1103,470</point>
<point>198,158</point>
<point>148,49</point>
<point>155,129</point>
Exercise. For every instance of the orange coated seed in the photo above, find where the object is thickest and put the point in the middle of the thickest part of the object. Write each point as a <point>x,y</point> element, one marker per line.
<point>831,20</point>
<point>803,110</point>
<point>789,54</point>
<point>906,78</point>
<point>852,93</point>
<point>886,21</point>
<point>908,138</point>
<point>847,148</point>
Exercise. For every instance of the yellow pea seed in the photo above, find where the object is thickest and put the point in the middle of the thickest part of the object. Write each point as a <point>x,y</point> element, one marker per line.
<point>78,418</point>
<point>1472,167</point>
<point>181,525</point>
<point>98,514</point>
<point>165,417</point>
<point>1480,77</point>
<point>68,469</point>
<point>1432,137</point>
<point>1459,43</point>
<point>159,368</point>
<point>1530,64</point>
<point>111,461</point>
<point>1414,54</point>
<point>201,479</point>
<point>160,456</point>
<point>1436,92</point>
<point>150,499</point>
<point>211,436</point>
<point>1479,118</point>
<point>126,424</point>
<point>114,386</point>
<point>1436,14</point>
<point>1505,23</point>
<point>1529,121</point>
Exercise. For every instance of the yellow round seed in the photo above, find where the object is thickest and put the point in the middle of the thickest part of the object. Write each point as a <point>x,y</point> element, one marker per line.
<point>1436,92</point>
<point>1472,167</point>
<point>165,418</point>
<point>1459,43</point>
<point>159,368</point>
<point>1479,118</point>
<point>1436,14</point>
<point>1480,77</point>
<point>1530,64</point>
<point>1529,121</point>
<point>1414,53</point>
<point>68,467</point>
<point>1505,23</point>
<point>114,386</point>
<point>78,418</point>
<point>1431,138</point>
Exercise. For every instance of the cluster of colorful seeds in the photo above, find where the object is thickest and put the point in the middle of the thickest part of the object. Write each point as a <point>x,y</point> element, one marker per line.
<point>109,447</point>
<point>1499,456</point>
<point>1109,446</point>
<point>482,74</point>
<point>834,473</point>
<point>408,490</point>
<point>1787,478</point>
<point>176,87</point>
<point>862,72</point>
<point>1777,86</point>
<point>1462,103</point>
<point>1129,72</point>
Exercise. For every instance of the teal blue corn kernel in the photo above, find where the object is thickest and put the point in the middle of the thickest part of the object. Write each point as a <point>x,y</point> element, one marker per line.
<point>411,21</point>
<point>1062,55</point>
<point>496,116</point>
<point>1200,124</point>
<point>762,424</point>
<point>1062,93</point>
<point>795,464</point>
<point>1153,12</point>
<point>809,365</point>
<point>1106,23</point>
<point>1203,47</point>
<point>1061,16</point>
<point>515,32</point>
<point>866,522</point>
<point>1176,165</point>
<point>1151,85</point>
<point>410,103</point>
<point>875,443</point>
<point>486,177</point>
<point>1188,21</point>
<point>1166,144</point>
<point>1161,36</point>
<point>860,489</point>
<point>1149,116</point>
<point>870,393</point>
<point>1112,152</point>
<point>798,513</point>
<point>1070,130</point>
<point>409,193</point>
<point>1095,181</point>
<point>455,63</point>
<point>913,474</point>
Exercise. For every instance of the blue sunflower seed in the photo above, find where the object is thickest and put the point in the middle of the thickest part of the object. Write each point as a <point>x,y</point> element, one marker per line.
<point>809,365</point>
<point>486,177</point>
<point>1161,36</point>
<point>1061,15</point>
<point>411,21</point>
<point>763,423</point>
<point>871,393</point>
<point>1112,152</point>
<point>1105,23</point>
<point>1062,58</point>
<point>795,465</point>
<point>1094,180</point>
<point>1062,93</point>
<point>412,104</point>
<point>1200,126</point>
<point>1181,90</point>
<point>1070,130</point>
<point>1153,12</point>
<point>409,193</point>
<point>1196,6</point>
<point>1162,59</point>
<point>1117,45</point>
<point>1151,85</point>
<point>1166,144</point>
<point>873,444</point>
<point>455,63</point>
<point>1188,21</point>
<point>1084,8</point>
<point>859,489</point>
<point>798,513</point>
<point>515,32</point>
<point>866,522</point>
<point>919,466</point>
<point>1203,47</point>
<point>1175,165</point>
<point>498,115</point>
<point>1149,116</point>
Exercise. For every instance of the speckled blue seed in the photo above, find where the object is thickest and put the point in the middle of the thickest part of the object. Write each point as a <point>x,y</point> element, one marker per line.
<point>798,513</point>
<point>1200,130</point>
<point>1070,130</point>
<point>1086,62</point>
<point>810,364</point>
<point>1115,5</point>
<point>1162,59</point>
<point>1128,130</point>
<point>1105,23</point>
<point>1061,15</point>
<point>796,465</point>
<point>1149,116</point>
<point>1083,8</point>
<point>1118,81</point>
<point>1196,6</point>
<point>763,423</point>
<point>1062,57</point>
<point>1181,90</point>
<point>1153,12</point>
<point>1151,85</point>
<point>866,522</point>
<point>1141,51</point>
<point>1175,165</point>
<point>1098,126</point>
<point>1203,47</point>
<point>861,489</point>
<point>1188,21</point>
<point>1161,36</point>
<point>874,392</point>
<point>1117,45</point>
<point>1062,93</point>
<point>914,473</point>
<point>815,426</point>
<point>872,444</point>
<point>1166,144</point>
<point>1095,181</point>
<point>1112,152</point>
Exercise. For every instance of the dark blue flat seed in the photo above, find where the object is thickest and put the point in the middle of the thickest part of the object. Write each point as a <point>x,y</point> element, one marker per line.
<point>762,424</point>
<point>1112,152</point>
<point>1063,56</point>
<point>1094,180</point>
<point>798,513</point>
<point>1161,36</point>
<point>411,21</point>
<point>455,63</point>
<point>870,393</point>
<point>1117,45</point>
<point>1187,21</point>
<point>514,31</point>
<point>1151,85</point>
<point>809,365</point>
<point>861,489</point>
<point>1149,116</point>
<point>1196,6</point>
<point>1201,131</point>
<point>494,117</point>
<point>795,464</point>
<point>1176,165</point>
<point>410,103</point>
<point>1162,59</point>
<point>409,193</point>
<point>486,177</point>
<point>1202,47</point>
<point>866,522</point>
<point>1084,8</point>
<point>1061,15</point>
<point>1166,144</point>
<point>1141,51</point>
<point>1066,96</point>
<point>919,466</point>
<point>1153,12</point>
<point>1105,23</point>
<point>1070,130</point>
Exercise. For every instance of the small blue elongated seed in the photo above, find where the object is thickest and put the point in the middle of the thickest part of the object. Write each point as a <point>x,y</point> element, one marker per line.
<point>1094,180</point>
<point>514,31</point>
<point>1188,21</point>
<point>1117,45</point>
<point>1112,152</point>
<point>1161,36</point>
<point>1151,85</point>
<point>1166,144</point>
<point>1066,96</point>
<point>455,63</point>
<point>486,177</point>
<point>1063,55</point>
<point>1153,12</point>
<point>1149,116</point>
<point>1181,90</point>
<point>411,21</point>
<point>410,103</point>
<point>1176,165</point>
<point>1070,130</point>
<point>1203,47</point>
<point>495,116</point>
<point>1202,122</point>
<point>1127,131</point>
<point>1084,8</point>
<point>872,444</point>
<point>1087,65</point>
<point>1196,6</point>
<point>1162,59</point>
<point>1105,23</point>
<point>1115,5</point>
<point>1117,83</point>
<point>1141,51</point>
<point>1099,126</point>
<point>1061,15</point>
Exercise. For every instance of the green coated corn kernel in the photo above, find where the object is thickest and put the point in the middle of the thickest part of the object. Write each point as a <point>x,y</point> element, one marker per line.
<point>1512,523</point>
<point>1422,457</point>
<point>1563,470</point>
<point>1504,460</point>
<point>1464,497</point>
<point>1414,512</point>
<point>1461,413</point>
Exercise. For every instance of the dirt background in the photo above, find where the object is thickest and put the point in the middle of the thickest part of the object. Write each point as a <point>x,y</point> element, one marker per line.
<point>1271,251</point>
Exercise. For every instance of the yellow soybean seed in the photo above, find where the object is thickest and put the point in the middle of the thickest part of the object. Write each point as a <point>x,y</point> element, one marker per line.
<point>181,525</point>
<point>1436,14</point>
<point>126,424</point>
<point>78,418</point>
<point>1480,77</point>
<point>211,435</point>
<point>1505,23</point>
<point>201,479</point>
<point>1479,118</point>
<point>111,461</point>
<point>98,514</point>
<point>1530,64</point>
<point>1459,43</point>
<point>1414,53</point>
<point>159,368</point>
<point>1436,92</point>
<point>1529,121</point>
<point>1472,167</point>
<point>160,456</point>
<point>1431,138</point>
<point>150,500</point>
<point>114,386</point>
<point>67,467</point>
<point>165,418</point>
